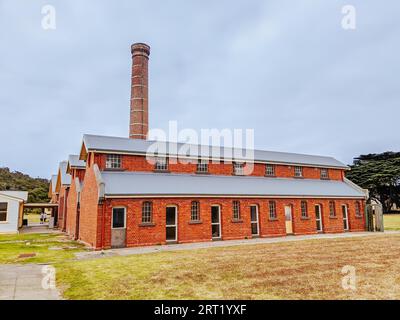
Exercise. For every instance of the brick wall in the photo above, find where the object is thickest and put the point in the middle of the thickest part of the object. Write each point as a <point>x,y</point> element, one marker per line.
<point>138,234</point>
<point>140,163</point>
<point>90,213</point>
<point>62,207</point>
<point>72,203</point>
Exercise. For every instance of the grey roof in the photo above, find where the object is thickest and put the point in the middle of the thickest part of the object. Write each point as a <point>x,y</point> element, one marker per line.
<point>105,143</point>
<point>65,177</point>
<point>74,161</point>
<point>53,183</point>
<point>146,184</point>
<point>21,195</point>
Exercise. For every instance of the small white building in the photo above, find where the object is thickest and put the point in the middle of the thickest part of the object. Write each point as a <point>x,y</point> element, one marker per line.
<point>11,210</point>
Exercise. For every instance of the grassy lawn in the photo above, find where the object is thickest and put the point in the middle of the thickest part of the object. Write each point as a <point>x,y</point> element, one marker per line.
<point>292,270</point>
<point>48,248</point>
<point>391,221</point>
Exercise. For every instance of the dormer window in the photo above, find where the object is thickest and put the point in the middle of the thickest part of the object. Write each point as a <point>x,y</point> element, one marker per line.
<point>161,164</point>
<point>202,166</point>
<point>324,173</point>
<point>298,172</point>
<point>113,161</point>
<point>238,168</point>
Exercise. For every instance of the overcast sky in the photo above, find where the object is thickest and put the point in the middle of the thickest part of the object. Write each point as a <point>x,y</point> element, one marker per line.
<point>287,69</point>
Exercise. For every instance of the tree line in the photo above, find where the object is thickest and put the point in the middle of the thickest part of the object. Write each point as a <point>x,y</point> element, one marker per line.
<point>38,188</point>
<point>380,174</point>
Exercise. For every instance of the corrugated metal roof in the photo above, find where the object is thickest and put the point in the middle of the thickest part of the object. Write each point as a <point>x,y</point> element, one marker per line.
<point>21,195</point>
<point>73,161</point>
<point>65,177</point>
<point>106,143</point>
<point>146,184</point>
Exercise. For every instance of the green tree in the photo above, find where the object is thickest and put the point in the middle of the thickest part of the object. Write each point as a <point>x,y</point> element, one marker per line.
<point>38,188</point>
<point>380,174</point>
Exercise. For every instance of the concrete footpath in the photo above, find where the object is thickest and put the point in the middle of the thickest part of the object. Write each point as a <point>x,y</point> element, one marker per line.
<point>24,282</point>
<point>224,243</point>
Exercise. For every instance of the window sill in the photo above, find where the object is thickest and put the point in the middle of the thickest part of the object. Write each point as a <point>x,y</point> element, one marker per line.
<point>114,169</point>
<point>237,220</point>
<point>298,177</point>
<point>325,179</point>
<point>305,218</point>
<point>333,217</point>
<point>273,219</point>
<point>196,222</point>
<point>270,175</point>
<point>147,224</point>
<point>359,217</point>
<point>161,171</point>
<point>201,172</point>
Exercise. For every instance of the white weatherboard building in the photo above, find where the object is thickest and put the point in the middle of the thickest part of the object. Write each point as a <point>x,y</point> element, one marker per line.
<point>11,210</point>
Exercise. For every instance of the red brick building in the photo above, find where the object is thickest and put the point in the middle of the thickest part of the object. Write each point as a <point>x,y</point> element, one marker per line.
<point>119,196</point>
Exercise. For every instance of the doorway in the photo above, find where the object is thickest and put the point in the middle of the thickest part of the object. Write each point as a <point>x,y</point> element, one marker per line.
<point>318,217</point>
<point>289,219</point>
<point>118,228</point>
<point>345,218</point>
<point>255,228</point>
<point>171,223</point>
<point>216,222</point>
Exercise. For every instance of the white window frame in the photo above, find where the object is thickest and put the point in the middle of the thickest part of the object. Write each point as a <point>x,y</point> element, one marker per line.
<point>161,164</point>
<point>298,172</point>
<point>332,208</point>
<point>324,173</point>
<point>202,166</point>
<point>238,168</point>
<point>113,161</point>
<point>270,173</point>
<point>272,210</point>
<point>6,211</point>
<point>150,211</point>
<point>304,209</point>
<point>236,207</point>
<point>112,218</point>
<point>197,208</point>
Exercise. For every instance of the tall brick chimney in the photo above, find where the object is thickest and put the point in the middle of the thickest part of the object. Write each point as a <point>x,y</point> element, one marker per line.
<point>139,117</point>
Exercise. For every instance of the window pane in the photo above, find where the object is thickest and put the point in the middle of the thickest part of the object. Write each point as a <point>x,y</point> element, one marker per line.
<point>113,161</point>
<point>3,206</point>
<point>214,214</point>
<point>253,213</point>
<point>171,233</point>
<point>170,216</point>
<point>215,230</point>
<point>254,229</point>
<point>3,216</point>
<point>118,218</point>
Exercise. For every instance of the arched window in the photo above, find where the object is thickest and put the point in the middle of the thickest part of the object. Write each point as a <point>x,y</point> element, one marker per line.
<point>195,211</point>
<point>147,212</point>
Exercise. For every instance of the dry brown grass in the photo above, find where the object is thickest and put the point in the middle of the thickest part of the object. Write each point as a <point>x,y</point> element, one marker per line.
<point>292,270</point>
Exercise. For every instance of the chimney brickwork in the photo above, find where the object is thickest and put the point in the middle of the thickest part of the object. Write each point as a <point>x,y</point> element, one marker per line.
<point>139,113</point>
